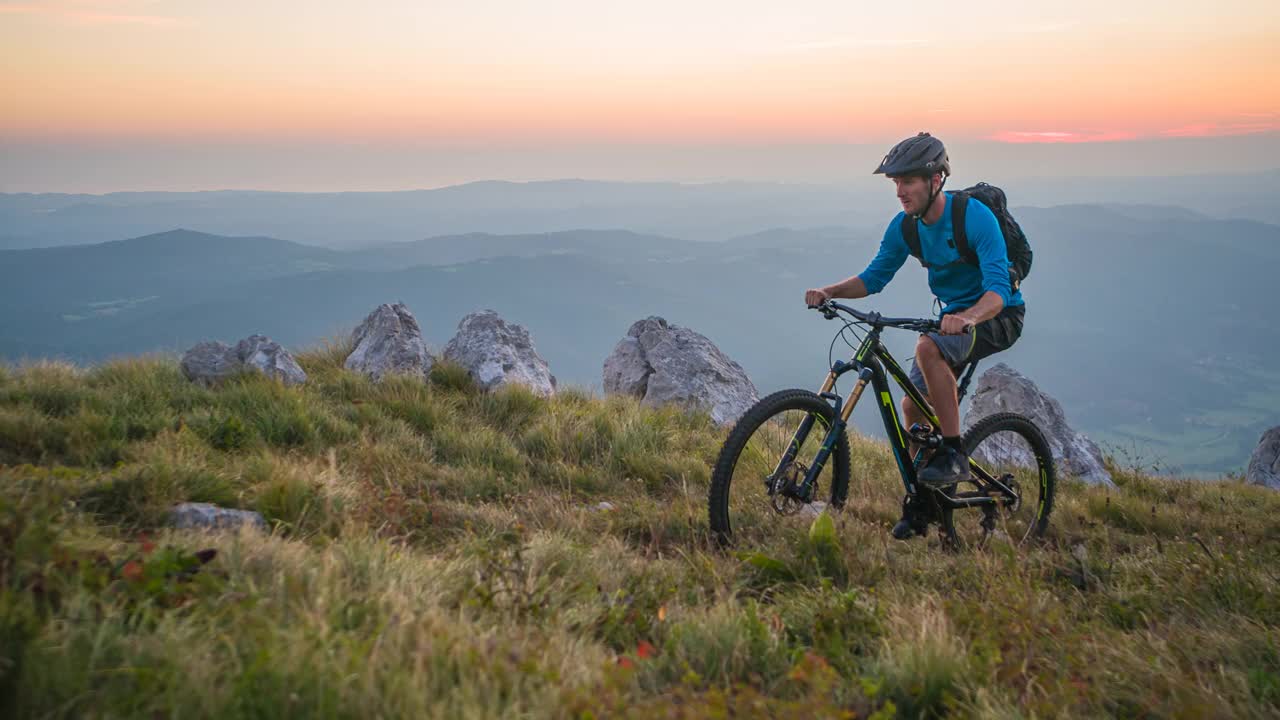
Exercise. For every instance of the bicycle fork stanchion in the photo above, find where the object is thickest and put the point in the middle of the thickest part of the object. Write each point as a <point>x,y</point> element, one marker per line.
<point>833,435</point>
<point>801,434</point>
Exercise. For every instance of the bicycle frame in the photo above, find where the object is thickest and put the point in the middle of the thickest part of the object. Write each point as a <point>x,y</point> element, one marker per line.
<point>875,366</point>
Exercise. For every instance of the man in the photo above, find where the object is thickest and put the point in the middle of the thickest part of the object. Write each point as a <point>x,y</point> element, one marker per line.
<point>981,315</point>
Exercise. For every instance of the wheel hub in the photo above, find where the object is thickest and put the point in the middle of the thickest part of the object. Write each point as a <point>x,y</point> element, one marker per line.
<point>785,492</point>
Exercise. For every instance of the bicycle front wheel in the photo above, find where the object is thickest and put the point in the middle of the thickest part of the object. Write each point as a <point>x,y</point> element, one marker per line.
<point>755,457</point>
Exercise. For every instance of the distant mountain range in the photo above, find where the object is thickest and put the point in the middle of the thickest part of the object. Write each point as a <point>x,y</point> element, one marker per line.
<point>711,211</point>
<point>1150,324</point>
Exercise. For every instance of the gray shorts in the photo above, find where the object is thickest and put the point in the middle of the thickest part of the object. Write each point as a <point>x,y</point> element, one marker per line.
<point>990,337</point>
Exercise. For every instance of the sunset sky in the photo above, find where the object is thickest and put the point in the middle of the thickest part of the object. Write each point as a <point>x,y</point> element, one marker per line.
<point>100,76</point>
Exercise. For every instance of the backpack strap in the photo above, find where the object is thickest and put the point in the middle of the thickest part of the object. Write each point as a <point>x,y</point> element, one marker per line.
<point>960,208</point>
<point>911,236</point>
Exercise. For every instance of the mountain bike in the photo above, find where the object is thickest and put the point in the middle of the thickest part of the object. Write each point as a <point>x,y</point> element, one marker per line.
<point>789,446</point>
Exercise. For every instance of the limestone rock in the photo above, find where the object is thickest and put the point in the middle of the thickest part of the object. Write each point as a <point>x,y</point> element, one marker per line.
<point>267,357</point>
<point>210,362</point>
<point>496,353</point>
<point>1003,389</point>
<point>389,341</point>
<point>662,363</point>
<point>1264,464</point>
<point>206,516</point>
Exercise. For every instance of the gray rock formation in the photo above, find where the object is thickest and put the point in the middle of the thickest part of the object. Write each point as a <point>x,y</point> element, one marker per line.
<point>267,357</point>
<point>389,341</point>
<point>209,363</point>
<point>496,353</point>
<point>1003,389</point>
<point>661,363</point>
<point>206,516</point>
<point>1264,464</point>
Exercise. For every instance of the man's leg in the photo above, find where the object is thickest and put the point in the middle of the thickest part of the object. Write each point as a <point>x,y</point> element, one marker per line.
<point>940,380</point>
<point>949,465</point>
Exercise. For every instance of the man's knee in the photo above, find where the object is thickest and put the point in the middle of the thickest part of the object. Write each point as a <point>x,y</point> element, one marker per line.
<point>927,352</point>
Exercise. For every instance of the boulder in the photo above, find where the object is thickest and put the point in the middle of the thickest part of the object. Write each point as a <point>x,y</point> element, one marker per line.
<point>267,357</point>
<point>210,362</point>
<point>206,516</point>
<point>389,341</point>
<point>663,363</point>
<point>496,353</point>
<point>1003,389</point>
<point>1264,464</point>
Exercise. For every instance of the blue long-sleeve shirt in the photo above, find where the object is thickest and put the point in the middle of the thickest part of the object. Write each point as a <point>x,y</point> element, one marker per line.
<point>955,282</point>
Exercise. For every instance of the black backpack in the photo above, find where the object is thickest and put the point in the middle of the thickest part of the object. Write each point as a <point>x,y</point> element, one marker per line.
<point>1015,241</point>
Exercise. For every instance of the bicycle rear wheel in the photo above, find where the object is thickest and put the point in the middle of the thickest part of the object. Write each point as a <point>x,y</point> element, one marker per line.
<point>1011,449</point>
<point>740,505</point>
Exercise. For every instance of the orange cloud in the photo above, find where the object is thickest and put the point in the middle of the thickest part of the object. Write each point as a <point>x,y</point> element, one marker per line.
<point>1021,136</point>
<point>1221,129</point>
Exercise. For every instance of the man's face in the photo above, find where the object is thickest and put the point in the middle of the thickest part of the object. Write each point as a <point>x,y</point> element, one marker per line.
<point>913,193</point>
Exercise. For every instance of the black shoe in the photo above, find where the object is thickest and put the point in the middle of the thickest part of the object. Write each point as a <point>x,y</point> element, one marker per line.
<point>903,530</point>
<point>948,467</point>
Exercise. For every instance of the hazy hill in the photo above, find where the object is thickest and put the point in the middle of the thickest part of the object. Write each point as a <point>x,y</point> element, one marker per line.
<point>711,211</point>
<point>1141,320</point>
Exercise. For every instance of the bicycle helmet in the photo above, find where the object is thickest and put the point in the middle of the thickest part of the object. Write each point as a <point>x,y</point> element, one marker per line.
<point>919,155</point>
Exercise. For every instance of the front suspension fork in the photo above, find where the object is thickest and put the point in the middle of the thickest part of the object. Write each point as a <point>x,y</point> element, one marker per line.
<point>805,491</point>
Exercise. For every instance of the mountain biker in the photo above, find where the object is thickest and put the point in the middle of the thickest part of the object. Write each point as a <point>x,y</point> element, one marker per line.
<point>981,314</point>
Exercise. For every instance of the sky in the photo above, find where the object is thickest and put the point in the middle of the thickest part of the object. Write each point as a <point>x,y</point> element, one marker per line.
<point>100,95</point>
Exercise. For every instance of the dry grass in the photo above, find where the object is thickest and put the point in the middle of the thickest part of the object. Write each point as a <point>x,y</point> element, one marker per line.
<point>437,552</point>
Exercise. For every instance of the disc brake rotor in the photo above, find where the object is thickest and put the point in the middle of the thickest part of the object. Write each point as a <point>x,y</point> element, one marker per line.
<point>788,482</point>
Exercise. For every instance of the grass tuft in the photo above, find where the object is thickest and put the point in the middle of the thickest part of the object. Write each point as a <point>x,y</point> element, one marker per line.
<point>439,551</point>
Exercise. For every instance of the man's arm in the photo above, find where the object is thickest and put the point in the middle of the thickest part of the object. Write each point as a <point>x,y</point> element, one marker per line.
<point>987,307</point>
<point>893,252</point>
<point>851,288</point>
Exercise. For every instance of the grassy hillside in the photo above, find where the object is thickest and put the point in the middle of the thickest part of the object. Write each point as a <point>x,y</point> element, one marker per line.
<point>438,552</point>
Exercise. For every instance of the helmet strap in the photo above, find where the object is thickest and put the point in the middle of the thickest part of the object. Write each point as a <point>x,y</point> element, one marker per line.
<point>933,195</point>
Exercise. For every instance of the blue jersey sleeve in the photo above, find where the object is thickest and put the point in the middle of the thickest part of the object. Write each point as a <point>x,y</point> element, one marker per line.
<point>893,252</point>
<point>986,240</point>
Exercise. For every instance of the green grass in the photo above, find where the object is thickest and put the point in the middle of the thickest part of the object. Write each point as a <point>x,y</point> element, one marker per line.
<point>436,551</point>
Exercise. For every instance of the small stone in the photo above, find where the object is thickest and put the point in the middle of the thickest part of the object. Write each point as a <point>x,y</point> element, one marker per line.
<point>207,516</point>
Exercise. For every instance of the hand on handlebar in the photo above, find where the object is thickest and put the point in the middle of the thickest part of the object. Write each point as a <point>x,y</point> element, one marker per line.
<point>815,297</point>
<point>955,325</point>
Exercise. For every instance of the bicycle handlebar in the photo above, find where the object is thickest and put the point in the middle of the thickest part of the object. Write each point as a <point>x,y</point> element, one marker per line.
<point>830,310</point>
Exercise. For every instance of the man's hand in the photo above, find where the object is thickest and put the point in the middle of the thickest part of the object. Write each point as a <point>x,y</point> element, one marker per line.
<point>956,324</point>
<point>816,297</point>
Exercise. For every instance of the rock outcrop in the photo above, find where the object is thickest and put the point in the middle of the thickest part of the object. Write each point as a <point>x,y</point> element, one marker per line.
<point>206,516</point>
<point>663,363</point>
<point>497,353</point>
<point>1264,464</point>
<point>211,362</point>
<point>389,341</point>
<point>267,357</point>
<point>1003,389</point>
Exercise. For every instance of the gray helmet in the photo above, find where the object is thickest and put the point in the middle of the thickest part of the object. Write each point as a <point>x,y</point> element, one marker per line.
<point>919,155</point>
